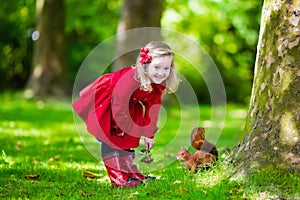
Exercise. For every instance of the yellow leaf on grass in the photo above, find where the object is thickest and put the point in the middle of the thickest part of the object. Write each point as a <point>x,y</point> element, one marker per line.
<point>91,175</point>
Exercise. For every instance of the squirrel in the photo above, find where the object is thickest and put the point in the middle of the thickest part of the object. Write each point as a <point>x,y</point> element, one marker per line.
<point>199,160</point>
<point>199,142</point>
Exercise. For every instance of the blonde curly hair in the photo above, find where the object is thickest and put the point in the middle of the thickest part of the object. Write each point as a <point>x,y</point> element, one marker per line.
<point>157,49</point>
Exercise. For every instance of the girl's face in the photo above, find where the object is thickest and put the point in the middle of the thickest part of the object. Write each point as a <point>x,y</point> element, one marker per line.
<point>159,69</point>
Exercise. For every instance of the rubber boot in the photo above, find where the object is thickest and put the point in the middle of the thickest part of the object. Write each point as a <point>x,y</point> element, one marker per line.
<point>126,160</point>
<point>116,174</point>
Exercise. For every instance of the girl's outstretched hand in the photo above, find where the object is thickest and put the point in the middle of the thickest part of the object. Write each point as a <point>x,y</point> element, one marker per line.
<point>148,143</point>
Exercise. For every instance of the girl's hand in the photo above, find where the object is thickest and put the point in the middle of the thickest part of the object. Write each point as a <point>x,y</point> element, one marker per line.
<point>148,143</point>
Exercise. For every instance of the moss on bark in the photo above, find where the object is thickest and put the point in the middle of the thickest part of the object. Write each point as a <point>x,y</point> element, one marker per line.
<point>271,133</point>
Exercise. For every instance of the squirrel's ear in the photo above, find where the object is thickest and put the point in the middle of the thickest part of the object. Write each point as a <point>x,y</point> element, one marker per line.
<point>202,129</point>
<point>186,148</point>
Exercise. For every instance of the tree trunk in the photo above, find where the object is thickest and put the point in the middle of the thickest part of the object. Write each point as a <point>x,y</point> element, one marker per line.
<point>273,124</point>
<point>49,76</point>
<point>136,14</point>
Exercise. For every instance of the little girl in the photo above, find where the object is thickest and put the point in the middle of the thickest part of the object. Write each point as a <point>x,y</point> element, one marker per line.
<point>121,107</point>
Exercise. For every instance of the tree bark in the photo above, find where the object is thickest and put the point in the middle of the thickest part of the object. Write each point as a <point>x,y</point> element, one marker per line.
<point>273,124</point>
<point>136,14</point>
<point>49,71</point>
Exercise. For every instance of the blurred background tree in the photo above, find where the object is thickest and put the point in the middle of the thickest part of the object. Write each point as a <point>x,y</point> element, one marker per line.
<point>49,68</point>
<point>16,22</point>
<point>136,14</point>
<point>228,31</point>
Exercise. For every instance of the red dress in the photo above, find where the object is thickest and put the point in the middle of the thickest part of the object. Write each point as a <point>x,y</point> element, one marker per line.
<point>117,112</point>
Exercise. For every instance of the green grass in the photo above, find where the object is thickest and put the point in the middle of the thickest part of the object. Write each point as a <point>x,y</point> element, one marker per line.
<point>43,157</point>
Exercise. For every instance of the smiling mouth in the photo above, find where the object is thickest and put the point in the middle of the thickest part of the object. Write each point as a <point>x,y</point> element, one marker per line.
<point>159,79</point>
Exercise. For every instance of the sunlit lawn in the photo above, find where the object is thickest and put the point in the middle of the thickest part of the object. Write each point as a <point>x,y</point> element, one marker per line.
<point>43,157</point>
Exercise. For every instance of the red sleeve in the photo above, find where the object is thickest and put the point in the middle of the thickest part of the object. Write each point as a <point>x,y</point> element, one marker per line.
<point>151,116</point>
<point>121,94</point>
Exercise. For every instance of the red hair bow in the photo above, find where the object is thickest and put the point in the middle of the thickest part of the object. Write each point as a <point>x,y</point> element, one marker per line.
<point>145,57</point>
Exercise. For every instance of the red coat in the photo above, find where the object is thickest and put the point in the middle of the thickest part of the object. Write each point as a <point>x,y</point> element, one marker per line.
<point>117,112</point>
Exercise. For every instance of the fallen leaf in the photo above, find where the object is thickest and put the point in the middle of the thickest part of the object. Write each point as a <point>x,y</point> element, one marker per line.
<point>182,189</point>
<point>32,176</point>
<point>91,175</point>
<point>55,158</point>
<point>85,194</point>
